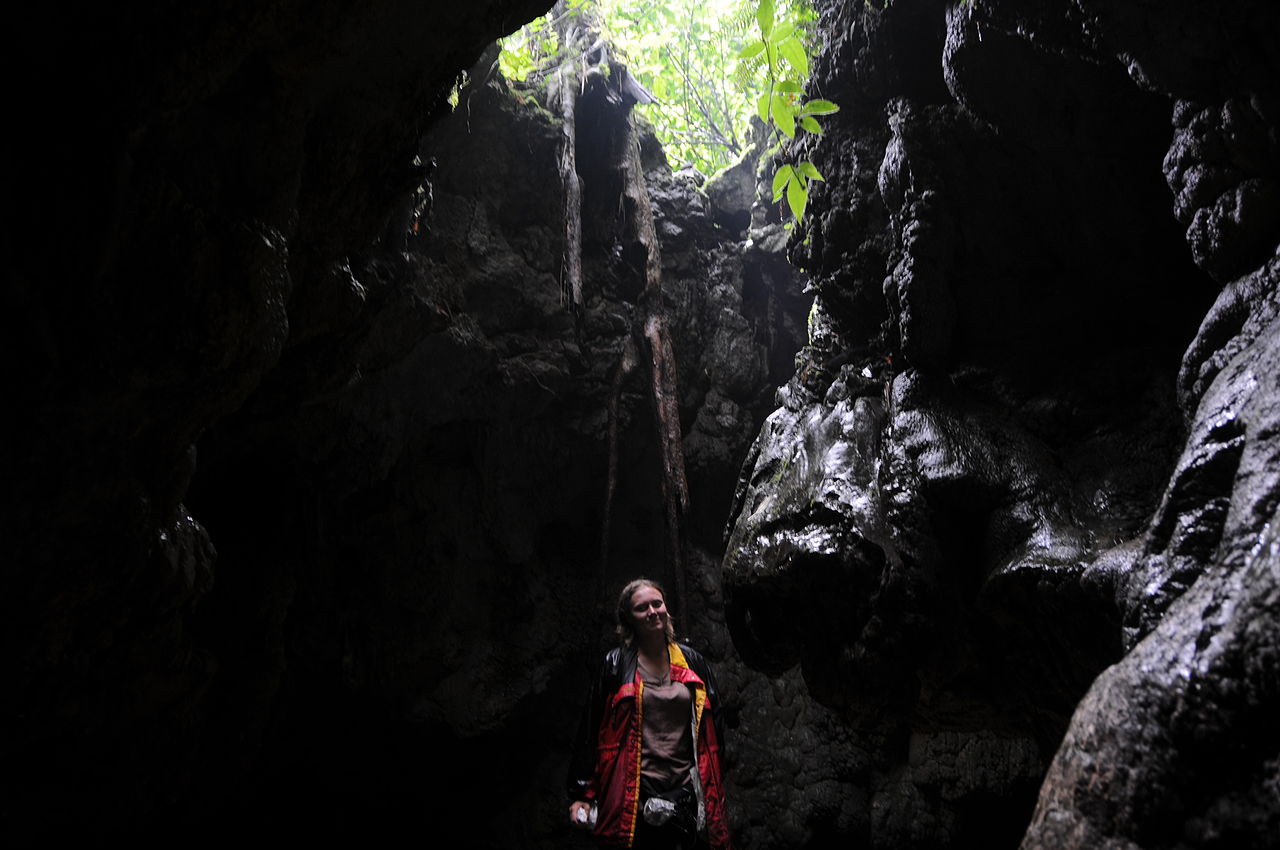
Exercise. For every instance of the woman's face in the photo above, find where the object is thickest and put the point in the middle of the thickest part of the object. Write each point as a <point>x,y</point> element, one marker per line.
<point>648,610</point>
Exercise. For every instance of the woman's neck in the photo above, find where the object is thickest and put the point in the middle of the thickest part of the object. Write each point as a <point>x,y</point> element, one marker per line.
<point>653,648</point>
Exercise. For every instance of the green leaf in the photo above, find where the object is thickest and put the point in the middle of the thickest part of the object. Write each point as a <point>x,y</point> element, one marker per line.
<point>797,197</point>
<point>793,51</point>
<point>788,87</point>
<point>762,107</point>
<point>755,48</point>
<point>784,115</point>
<point>764,16</point>
<point>784,32</point>
<point>515,64</point>
<point>819,107</point>
<point>808,169</point>
<point>811,124</point>
<point>780,180</point>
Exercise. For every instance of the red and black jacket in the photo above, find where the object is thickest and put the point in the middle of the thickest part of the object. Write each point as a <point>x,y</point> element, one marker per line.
<point>606,761</point>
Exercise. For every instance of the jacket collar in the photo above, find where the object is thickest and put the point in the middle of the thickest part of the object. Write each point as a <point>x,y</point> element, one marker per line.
<point>680,669</point>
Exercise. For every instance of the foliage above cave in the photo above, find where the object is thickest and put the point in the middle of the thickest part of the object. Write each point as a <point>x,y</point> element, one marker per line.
<point>711,65</point>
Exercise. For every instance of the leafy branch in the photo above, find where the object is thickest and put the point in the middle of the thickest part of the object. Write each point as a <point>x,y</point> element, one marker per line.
<point>684,53</point>
<point>709,64</point>
<point>783,105</point>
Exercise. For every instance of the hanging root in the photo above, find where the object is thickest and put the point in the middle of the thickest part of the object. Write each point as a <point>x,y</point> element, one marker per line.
<point>666,400</point>
<point>571,262</point>
<point>626,365</point>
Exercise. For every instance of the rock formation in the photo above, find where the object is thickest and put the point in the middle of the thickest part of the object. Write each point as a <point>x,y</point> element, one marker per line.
<point>1014,494</point>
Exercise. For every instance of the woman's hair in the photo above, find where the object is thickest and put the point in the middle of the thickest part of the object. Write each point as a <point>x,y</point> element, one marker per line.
<point>626,630</point>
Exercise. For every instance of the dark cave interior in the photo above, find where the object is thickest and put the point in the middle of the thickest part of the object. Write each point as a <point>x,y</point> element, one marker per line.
<point>306,503</point>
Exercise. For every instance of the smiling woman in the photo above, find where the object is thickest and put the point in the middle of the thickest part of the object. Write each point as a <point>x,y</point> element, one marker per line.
<point>646,768</point>
<point>642,611</point>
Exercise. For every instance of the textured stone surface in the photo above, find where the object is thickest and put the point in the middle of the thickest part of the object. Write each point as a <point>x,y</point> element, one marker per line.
<point>1175,744</point>
<point>1007,454</point>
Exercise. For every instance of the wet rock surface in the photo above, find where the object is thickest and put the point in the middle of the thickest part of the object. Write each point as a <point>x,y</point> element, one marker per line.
<point>1173,745</point>
<point>1008,459</point>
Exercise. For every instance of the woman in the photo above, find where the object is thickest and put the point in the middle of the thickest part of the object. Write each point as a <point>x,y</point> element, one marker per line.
<point>646,769</point>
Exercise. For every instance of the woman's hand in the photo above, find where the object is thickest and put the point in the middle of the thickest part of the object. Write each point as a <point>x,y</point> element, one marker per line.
<point>580,814</point>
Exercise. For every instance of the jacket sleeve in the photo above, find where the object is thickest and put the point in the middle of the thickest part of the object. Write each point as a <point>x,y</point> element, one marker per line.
<point>582,765</point>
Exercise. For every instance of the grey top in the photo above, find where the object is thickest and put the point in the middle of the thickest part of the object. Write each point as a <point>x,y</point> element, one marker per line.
<point>666,747</point>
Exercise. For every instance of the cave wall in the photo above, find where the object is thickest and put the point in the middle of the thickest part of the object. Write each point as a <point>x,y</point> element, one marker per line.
<point>185,182</point>
<point>314,470</point>
<point>421,556</point>
<point>1012,517</point>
